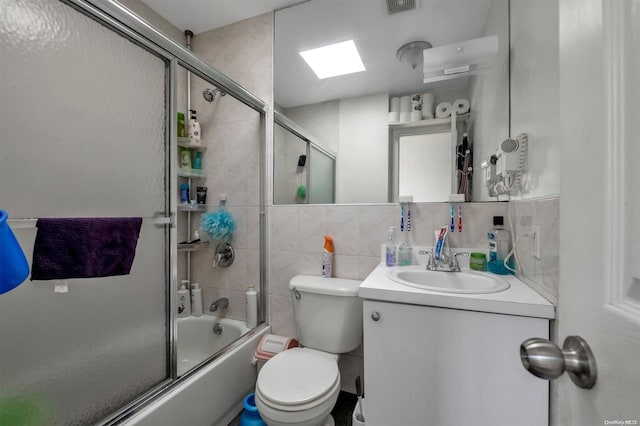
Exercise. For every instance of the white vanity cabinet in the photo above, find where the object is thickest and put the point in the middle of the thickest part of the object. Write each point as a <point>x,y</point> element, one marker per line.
<point>426,365</point>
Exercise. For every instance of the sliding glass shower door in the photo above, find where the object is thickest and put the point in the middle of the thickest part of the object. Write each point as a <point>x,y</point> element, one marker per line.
<point>82,134</point>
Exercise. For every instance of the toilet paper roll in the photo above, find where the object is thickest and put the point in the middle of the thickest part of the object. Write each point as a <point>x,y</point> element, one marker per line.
<point>405,117</point>
<point>416,106</point>
<point>416,97</point>
<point>428,100</point>
<point>405,104</point>
<point>394,117</point>
<point>461,106</point>
<point>395,105</point>
<point>443,110</point>
<point>416,115</point>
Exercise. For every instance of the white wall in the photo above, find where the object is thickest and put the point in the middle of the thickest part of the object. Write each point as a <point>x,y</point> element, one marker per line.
<point>489,95</point>
<point>534,92</point>
<point>363,152</point>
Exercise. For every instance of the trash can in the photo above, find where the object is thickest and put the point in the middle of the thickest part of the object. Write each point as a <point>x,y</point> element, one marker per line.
<point>250,415</point>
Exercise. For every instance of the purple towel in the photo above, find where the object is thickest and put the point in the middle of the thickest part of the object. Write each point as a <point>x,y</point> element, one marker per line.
<point>84,247</point>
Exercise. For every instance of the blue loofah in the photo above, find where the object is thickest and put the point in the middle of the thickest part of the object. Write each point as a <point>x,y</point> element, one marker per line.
<point>219,225</point>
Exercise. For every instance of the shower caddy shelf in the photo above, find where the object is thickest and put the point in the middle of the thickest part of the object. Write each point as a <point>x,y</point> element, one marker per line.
<point>188,207</point>
<point>188,143</point>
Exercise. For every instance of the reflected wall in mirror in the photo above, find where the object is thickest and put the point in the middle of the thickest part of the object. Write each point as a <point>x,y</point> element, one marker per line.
<point>349,115</point>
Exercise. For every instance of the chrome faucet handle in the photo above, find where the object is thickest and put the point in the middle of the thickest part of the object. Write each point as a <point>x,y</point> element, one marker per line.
<point>454,265</point>
<point>431,262</point>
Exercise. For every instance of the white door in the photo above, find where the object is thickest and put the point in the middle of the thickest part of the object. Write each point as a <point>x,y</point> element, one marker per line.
<point>600,206</point>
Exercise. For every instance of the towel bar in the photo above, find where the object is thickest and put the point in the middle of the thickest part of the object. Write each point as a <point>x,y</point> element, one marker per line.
<point>29,222</point>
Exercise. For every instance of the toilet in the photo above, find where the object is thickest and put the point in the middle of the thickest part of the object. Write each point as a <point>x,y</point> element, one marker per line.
<point>300,386</point>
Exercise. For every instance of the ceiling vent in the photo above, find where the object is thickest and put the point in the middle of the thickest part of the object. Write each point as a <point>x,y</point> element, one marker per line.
<point>397,6</point>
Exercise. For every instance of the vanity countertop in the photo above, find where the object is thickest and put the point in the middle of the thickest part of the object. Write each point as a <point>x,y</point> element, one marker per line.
<point>518,299</point>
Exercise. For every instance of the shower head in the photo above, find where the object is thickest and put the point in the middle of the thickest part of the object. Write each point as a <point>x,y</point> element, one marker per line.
<point>209,95</point>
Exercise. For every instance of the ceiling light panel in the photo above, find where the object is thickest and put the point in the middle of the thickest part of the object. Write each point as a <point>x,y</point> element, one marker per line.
<point>334,60</point>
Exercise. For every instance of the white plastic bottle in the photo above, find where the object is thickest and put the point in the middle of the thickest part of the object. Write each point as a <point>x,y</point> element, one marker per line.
<point>251,301</point>
<point>196,300</point>
<point>184,302</point>
<point>194,127</point>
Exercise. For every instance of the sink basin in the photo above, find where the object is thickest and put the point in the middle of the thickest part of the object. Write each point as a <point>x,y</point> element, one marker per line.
<point>470,282</point>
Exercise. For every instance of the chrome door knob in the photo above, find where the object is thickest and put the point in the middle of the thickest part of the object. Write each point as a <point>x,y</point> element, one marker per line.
<point>375,315</point>
<point>542,358</point>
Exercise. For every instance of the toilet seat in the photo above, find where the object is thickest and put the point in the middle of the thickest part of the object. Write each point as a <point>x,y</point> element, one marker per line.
<point>298,379</point>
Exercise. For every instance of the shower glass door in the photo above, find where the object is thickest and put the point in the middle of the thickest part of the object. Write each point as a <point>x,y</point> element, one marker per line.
<point>82,134</point>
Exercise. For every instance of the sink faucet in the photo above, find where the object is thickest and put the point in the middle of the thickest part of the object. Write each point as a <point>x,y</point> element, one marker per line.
<point>223,302</point>
<point>447,262</point>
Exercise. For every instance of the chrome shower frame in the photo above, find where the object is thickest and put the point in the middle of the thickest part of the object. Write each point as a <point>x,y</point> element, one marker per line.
<point>116,17</point>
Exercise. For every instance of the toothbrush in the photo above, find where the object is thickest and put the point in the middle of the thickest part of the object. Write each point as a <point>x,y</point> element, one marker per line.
<point>459,217</point>
<point>453,223</point>
<point>401,217</point>
<point>408,217</point>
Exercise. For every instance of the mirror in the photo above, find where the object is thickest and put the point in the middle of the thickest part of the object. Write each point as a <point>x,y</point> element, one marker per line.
<point>348,115</point>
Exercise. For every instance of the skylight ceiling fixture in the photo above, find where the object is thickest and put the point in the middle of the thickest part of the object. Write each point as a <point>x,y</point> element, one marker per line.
<point>334,59</point>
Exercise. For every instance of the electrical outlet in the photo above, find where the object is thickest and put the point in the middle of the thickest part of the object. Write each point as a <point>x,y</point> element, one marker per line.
<point>534,241</point>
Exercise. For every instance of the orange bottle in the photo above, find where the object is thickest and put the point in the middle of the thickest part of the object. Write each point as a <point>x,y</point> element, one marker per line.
<point>327,257</point>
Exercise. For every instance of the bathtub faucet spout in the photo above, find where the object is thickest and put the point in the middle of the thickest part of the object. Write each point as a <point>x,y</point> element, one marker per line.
<point>223,302</point>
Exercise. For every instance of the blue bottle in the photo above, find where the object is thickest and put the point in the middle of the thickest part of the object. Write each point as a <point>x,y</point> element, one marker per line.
<point>250,415</point>
<point>184,193</point>
<point>499,247</point>
<point>197,161</point>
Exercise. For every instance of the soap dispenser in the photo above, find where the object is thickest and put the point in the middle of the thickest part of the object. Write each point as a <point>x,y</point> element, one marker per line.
<point>184,301</point>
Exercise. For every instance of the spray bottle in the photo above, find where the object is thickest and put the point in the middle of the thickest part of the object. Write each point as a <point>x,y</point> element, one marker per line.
<point>327,257</point>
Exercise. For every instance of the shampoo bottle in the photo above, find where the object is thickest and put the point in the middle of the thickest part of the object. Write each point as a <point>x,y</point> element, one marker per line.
<point>391,247</point>
<point>197,161</point>
<point>499,247</point>
<point>194,127</point>
<point>251,301</point>
<point>196,300</point>
<point>184,304</point>
<point>327,257</point>
<point>185,158</point>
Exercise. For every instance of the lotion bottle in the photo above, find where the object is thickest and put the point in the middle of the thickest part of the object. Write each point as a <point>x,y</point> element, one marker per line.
<point>251,302</point>
<point>196,300</point>
<point>327,257</point>
<point>184,302</point>
<point>194,127</point>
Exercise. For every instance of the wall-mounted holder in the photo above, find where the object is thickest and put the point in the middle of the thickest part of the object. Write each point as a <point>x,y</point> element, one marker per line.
<point>223,256</point>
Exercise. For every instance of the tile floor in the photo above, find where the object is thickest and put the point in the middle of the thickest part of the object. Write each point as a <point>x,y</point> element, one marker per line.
<point>341,412</point>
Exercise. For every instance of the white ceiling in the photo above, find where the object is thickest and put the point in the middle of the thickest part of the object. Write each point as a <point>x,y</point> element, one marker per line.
<point>317,23</point>
<point>377,36</point>
<point>204,15</point>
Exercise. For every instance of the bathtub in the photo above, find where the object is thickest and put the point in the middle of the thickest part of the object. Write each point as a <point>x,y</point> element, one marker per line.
<point>197,341</point>
<point>213,394</point>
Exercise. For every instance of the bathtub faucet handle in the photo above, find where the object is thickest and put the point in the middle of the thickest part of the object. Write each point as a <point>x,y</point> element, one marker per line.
<point>223,302</point>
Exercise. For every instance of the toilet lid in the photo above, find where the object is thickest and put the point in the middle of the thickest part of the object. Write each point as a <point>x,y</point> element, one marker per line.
<point>297,376</point>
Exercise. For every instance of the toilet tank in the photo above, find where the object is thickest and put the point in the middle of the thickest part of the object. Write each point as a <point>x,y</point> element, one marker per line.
<point>327,313</point>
